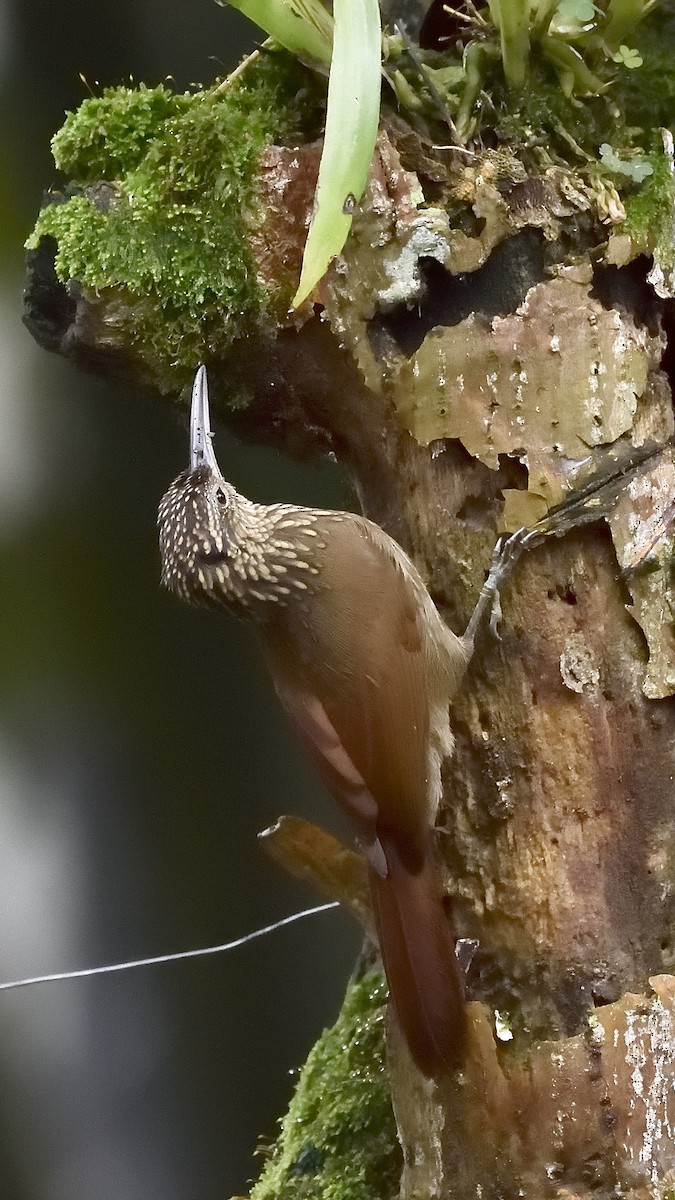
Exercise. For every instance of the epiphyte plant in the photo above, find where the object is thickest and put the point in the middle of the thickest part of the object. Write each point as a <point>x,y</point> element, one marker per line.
<point>463,53</point>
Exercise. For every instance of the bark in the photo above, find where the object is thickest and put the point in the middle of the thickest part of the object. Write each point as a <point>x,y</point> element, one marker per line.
<point>464,379</point>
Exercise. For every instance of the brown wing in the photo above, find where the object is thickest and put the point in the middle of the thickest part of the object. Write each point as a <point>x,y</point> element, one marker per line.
<point>350,671</point>
<point>415,938</point>
<point>349,667</point>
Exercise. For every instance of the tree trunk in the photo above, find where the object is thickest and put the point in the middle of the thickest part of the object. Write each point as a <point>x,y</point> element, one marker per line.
<point>471,360</point>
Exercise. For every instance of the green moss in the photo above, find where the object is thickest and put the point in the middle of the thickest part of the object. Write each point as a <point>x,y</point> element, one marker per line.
<point>650,208</point>
<point>108,135</point>
<point>169,229</point>
<point>650,213</point>
<point>338,1139</point>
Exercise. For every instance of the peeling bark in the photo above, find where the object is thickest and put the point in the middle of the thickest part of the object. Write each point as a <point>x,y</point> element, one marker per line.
<point>581,1116</point>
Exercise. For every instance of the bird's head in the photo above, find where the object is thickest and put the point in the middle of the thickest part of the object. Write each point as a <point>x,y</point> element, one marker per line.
<point>197,547</point>
<point>224,551</point>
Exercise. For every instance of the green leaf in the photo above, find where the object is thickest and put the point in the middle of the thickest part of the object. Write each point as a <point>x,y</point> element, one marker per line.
<point>304,27</point>
<point>446,79</point>
<point>622,18</point>
<point>575,76</point>
<point>636,168</point>
<point>630,58</point>
<point>576,12</point>
<point>405,94</point>
<point>512,19</point>
<point>352,119</point>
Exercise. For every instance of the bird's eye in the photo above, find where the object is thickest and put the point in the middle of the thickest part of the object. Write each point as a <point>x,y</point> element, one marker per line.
<point>221,497</point>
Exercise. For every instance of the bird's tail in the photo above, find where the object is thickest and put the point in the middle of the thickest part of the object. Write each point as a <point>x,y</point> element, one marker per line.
<point>418,953</point>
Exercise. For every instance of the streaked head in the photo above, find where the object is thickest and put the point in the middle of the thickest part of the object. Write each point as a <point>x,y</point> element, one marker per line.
<point>222,550</point>
<point>193,513</point>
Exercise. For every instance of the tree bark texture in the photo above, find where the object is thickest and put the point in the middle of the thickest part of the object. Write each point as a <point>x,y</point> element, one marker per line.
<point>466,377</point>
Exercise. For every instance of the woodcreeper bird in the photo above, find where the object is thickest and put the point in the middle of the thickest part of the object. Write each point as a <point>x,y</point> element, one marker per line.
<point>365,667</point>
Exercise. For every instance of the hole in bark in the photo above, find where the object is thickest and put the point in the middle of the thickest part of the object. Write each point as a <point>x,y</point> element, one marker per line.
<point>512,472</point>
<point>609,1118</point>
<point>466,221</point>
<point>566,593</point>
<point>495,289</point>
<point>626,288</point>
<point>604,992</point>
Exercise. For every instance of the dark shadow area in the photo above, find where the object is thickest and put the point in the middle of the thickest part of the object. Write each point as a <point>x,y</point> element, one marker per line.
<point>495,290</point>
<point>626,289</point>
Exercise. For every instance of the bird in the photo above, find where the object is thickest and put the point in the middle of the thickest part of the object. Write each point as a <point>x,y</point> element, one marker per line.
<point>365,668</point>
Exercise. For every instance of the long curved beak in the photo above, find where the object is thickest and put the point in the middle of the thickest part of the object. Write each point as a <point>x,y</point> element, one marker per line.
<point>201,437</point>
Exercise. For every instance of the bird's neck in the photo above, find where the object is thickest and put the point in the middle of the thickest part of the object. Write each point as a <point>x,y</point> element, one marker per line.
<point>269,555</point>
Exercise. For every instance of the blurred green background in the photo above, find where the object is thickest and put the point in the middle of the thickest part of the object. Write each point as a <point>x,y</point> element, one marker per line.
<point>141,748</point>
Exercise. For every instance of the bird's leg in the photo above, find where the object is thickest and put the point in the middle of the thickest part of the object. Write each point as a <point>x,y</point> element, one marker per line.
<point>506,554</point>
<point>590,502</point>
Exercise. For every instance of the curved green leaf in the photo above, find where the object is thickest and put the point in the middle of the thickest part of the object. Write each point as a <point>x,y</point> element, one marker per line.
<point>304,27</point>
<point>351,130</point>
<point>568,62</point>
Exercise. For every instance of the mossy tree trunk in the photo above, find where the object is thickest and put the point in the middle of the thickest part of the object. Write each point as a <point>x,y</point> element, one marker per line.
<point>492,331</point>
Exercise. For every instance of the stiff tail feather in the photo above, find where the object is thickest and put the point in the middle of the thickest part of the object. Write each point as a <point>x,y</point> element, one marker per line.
<point>418,954</point>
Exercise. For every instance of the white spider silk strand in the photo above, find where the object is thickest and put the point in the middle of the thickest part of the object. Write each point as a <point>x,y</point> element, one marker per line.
<point>164,958</point>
